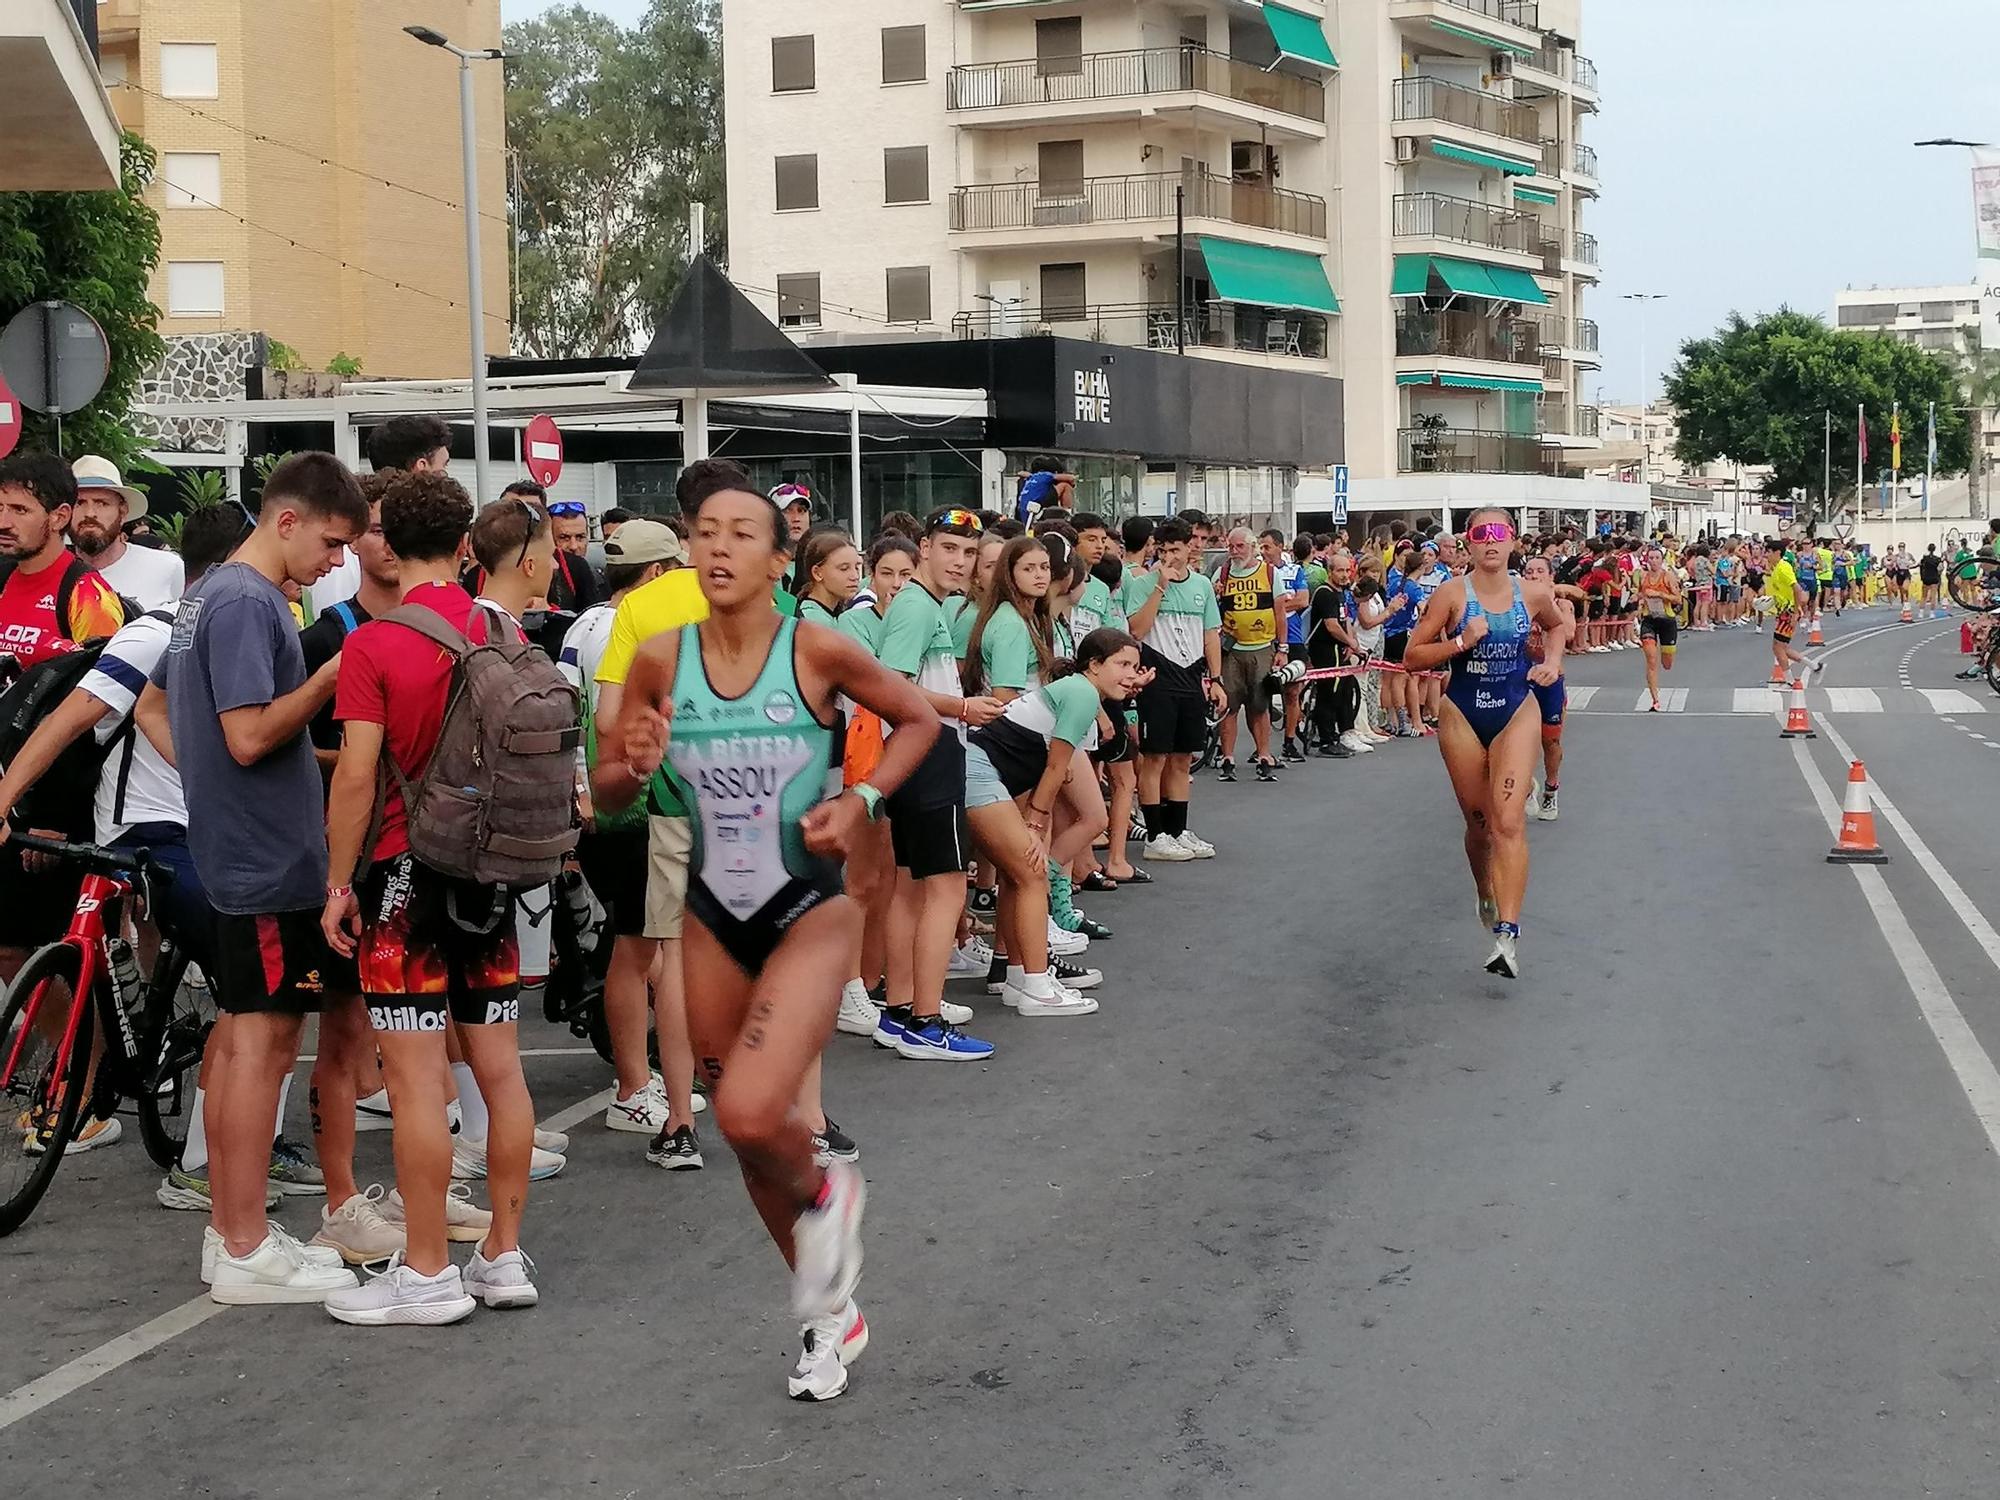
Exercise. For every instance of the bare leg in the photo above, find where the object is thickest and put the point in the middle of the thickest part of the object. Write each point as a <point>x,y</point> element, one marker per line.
<point>241,1118</point>
<point>1465,763</point>
<point>626,1010</point>
<point>344,1035</point>
<point>1512,762</point>
<point>671,1024</point>
<point>1124,786</point>
<point>422,1142</point>
<point>494,1052</point>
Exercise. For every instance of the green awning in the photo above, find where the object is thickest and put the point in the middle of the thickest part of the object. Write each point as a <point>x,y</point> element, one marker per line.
<point>1511,284</point>
<point>1533,195</point>
<point>1298,36</point>
<point>1467,278</point>
<point>1485,159</point>
<point>1268,276</point>
<point>1485,41</point>
<point>1413,276</point>
<point>1472,382</point>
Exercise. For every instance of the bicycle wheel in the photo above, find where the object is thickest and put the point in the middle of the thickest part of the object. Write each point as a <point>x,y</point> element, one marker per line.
<point>37,1082</point>
<point>1967,588</point>
<point>179,1017</point>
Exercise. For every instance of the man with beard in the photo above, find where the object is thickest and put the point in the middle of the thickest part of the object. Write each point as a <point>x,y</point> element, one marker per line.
<point>104,503</point>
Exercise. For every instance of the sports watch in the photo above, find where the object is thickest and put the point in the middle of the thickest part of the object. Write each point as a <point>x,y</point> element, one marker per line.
<point>870,799</point>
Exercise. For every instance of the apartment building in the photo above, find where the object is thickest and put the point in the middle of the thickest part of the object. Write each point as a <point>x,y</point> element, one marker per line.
<point>1946,320</point>
<point>310,169</point>
<point>61,133</point>
<point>1387,197</point>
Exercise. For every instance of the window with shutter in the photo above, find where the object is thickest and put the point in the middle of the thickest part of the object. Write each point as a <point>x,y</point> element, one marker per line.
<point>906,174</point>
<point>909,294</point>
<point>798,182</point>
<point>1059,45</point>
<point>1063,293</point>
<point>903,59</point>
<point>792,64</point>
<point>798,300</point>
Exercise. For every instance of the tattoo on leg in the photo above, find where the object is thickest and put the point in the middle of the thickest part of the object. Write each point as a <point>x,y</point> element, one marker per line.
<point>1479,817</point>
<point>312,1103</point>
<point>753,1031</point>
<point>712,1068</point>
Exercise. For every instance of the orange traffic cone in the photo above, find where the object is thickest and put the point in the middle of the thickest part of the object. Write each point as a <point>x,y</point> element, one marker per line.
<point>1777,674</point>
<point>1906,618</point>
<point>1857,844</point>
<point>1797,725</point>
<point>1815,639</point>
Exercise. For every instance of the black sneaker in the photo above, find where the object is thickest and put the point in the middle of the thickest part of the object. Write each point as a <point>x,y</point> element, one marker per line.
<point>1266,771</point>
<point>1295,752</point>
<point>1076,976</point>
<point>996,974</point>
<point>1225,770</point>
<point>1335,751</point>
<point>834,1144</point>
<point>679,1152</point>
<point>985,900</point>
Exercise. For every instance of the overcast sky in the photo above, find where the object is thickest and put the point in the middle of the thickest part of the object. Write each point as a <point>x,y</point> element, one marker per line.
<point>1757,152</point>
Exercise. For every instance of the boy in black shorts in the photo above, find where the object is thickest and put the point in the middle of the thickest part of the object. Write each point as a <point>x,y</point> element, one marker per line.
<point>1175,617</point>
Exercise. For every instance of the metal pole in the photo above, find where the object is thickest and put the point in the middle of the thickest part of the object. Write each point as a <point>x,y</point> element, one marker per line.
<point>854,453</point>
<point>1826,484</point>
<point>475,290</point>
<point>1180,269</point>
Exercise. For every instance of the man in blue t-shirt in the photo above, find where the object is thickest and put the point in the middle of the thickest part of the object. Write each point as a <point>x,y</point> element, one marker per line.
<point>1288,572</point>
<point>1044,484</point>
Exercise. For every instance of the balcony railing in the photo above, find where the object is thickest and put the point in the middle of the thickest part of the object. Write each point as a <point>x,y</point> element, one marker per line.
<point>1552,156</point>
<point>1557,247</point>
<point>1558,416</point>
<point>1514,12</point>
<point>1127,75</point>
<point>1116,200</point>
<point>1585,160</point>
<point>1458,334</point>
<point>1451,450</point>
<point>1560,62</point>
<point>1243,327</point>
<point>1468,222</point>
<point>1586,73</point>
<point>1561,333</point>
<point>1474,109</point>
<point>1586,334</point>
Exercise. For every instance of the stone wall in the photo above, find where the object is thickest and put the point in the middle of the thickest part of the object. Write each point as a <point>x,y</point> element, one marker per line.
<point>196,367</point>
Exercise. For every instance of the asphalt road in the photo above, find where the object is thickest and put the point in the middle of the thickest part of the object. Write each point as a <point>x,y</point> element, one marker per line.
<point>1700,1206</point>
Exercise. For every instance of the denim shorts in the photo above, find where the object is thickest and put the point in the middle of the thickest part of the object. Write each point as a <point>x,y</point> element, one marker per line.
<point>983,786</point>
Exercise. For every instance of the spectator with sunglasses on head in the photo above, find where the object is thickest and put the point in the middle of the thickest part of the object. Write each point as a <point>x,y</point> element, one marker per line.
<point>573,586</point>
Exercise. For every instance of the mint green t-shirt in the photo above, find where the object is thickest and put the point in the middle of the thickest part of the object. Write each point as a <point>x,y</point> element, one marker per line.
<point>1007,652</point>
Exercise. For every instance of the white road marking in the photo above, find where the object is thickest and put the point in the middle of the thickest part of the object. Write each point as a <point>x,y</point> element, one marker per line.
<point>1756,700</point>
<point>1982,931</point>
<point>1853,700</point>
<point>86,1369</point>
<point>1974,1069</point>
<point>1672,701</point>
<point>1579,697</point>
<point>1952,701</point>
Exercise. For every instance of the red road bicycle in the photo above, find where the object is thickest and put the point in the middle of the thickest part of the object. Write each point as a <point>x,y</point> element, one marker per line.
<point>67,996</point>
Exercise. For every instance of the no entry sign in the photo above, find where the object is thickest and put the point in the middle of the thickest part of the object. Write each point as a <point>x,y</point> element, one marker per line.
<point>10,419</point>
<point>542,447</point>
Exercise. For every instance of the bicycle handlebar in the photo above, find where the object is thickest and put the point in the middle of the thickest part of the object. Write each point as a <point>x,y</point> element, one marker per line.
<point>96,856</point>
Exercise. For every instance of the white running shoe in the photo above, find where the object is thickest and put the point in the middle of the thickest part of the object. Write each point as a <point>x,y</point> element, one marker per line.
<point>1167,848</point>
<point>371,1112</point>
<point>278,1270</point>
<point>1064,943</point>
<point>1059,1002</point>
<point>826,1245</point>
<point>1359,743</point>
<point>465,1222</point>
<point>504,1281</point>
<point>211,1251</point>
<point>359,1232</point>
<point>966,962</point>
<point>1547,811</point>
<point>954,1013</point>
<point>828,1346</point>
<point>468,1161</point>
<point>403,1296</point>
<point>556,1141</point>
<point>645,1113</point>
<point>858,1014</point>
<point>1196,845</point>
<point>1503,960</point>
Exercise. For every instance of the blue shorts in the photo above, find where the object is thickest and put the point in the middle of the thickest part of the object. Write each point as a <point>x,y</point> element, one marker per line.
<point>1808,585</point>
<point>983,786</point>
<point>1554,700</point>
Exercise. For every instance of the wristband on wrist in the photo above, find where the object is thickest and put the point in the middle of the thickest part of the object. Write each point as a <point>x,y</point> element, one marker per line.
<point>1458,643</point>
<point>339,892</point>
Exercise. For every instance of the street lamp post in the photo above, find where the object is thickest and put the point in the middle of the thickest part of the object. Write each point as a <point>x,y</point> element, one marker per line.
<point>1645,380</point>
<point>475,288</point>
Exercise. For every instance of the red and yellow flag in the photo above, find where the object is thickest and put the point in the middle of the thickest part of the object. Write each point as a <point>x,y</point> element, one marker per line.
<point>1896,438</point>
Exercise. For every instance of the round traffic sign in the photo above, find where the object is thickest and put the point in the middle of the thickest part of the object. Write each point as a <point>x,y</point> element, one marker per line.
<point>10,418</point>
<point>542,448</point>
<point>55,356</point>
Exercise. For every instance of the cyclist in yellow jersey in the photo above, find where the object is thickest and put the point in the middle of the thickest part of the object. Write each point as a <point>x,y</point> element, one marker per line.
<point>1246,592</point>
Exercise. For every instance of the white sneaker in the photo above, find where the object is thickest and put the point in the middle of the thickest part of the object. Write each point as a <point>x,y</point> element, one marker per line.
<point>465,1222</point>
<point>1060,1001</point>
<point>829,1346</point>
<point>1503,960</point>
<point>1167,848</point>
<point>278,1270</point>
<point>1197,846</point>
<point>965,961</point>
<point>1547,811</point>
<point>556,1141</point>
<point>468,1161</point>
<point>358,1231</point>
<point>401,1295</point>
<point>954,1013</point>
<point>371,1112</point>
<point>826,1246</point>
<point>504,1281</point>
<point>211,1251</point>
<point>858,1014</point>
<point>1064,943</point>
<point>1357,742</point>
<point>645,1113</point>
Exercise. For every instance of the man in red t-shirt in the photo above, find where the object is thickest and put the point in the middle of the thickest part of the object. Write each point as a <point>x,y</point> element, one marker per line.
<point>420,968</point>
<point>51,599</point>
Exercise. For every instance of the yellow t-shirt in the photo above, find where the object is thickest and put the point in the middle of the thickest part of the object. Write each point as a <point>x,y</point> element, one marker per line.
<point>667,603</point>
<point>1782,584</point>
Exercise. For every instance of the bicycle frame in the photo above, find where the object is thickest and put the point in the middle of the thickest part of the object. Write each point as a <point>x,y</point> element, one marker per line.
<point>100,893</point>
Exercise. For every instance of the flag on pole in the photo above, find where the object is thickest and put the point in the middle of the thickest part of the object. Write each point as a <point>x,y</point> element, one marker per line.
<point>1861,442</point>
<point>1930,457</point>
<point>1896,438</point>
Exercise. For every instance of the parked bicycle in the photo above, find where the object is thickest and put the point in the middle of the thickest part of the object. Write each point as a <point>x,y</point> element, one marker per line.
<point>80,1032</point>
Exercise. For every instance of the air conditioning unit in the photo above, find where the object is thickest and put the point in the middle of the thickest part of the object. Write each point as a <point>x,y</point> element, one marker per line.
<point>1406,148</point>
<point>1503,65</point>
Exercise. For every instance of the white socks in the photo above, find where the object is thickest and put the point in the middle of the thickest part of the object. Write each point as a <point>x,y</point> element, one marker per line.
<point>1038,986</point>
<point>194,1155</point>
<point>284,1097</point>
<point>471,1103</point>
